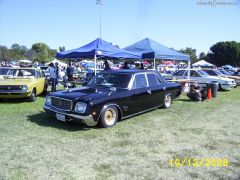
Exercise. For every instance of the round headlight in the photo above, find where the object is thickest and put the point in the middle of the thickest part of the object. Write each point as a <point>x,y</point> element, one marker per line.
<point>80,107</point>
<point>24,88</point>
<point>48,100</point>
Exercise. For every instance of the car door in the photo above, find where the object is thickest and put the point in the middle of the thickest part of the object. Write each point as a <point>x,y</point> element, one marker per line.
<point>195,76</point>
<point>156,89</point>
<point>139,96</point>
<point>180,74</point>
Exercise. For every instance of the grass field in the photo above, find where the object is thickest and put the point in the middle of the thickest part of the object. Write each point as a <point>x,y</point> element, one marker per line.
<point>34,145</point>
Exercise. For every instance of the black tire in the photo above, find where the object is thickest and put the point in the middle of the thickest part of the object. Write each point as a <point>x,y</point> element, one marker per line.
<point>45,89</point>
<point>109,117</point>
<point>167,101</point>
<point>33,96</point>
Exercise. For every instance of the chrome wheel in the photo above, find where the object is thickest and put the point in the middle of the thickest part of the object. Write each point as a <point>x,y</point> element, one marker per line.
<point>109,116</point>
<point>167,101</point>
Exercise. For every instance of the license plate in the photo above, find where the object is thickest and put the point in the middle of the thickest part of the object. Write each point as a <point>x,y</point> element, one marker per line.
<point>61,117</point>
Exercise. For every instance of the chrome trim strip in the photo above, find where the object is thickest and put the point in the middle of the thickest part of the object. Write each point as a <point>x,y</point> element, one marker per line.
<point>86,119</point>
<point>141,112</point>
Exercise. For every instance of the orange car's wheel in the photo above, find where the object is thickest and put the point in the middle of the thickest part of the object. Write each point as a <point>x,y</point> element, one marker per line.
<point>33,96</point>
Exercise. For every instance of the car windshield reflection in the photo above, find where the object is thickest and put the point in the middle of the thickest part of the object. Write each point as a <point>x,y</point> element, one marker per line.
<point>111,80</point>
<point>203,73</point>
<point>20,73</point>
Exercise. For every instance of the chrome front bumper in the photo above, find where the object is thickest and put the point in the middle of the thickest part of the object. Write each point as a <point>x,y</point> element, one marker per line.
<point>88,120</point>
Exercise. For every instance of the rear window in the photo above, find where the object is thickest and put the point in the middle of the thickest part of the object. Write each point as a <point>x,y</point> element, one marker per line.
<point>179,73</point>
<point>153,80</point>
<point>140,81</point>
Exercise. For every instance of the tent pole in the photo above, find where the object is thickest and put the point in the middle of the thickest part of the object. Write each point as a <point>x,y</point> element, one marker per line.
<point>95,65</point>
<point>188,69</point>
<point>154,64</point>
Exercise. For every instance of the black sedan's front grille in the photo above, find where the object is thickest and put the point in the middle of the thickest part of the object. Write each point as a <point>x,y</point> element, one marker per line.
<point>10,87</point>
<point>62,104</point>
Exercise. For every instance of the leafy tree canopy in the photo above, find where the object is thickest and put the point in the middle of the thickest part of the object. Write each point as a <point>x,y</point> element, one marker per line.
<point>191,52</point>
<point>223,53</point>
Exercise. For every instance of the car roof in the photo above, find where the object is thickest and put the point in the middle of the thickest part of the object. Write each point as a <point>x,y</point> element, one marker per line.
<point>128,71</point>
<point>23,68</point>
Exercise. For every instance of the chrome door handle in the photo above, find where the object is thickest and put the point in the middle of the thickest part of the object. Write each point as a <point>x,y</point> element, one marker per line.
<point>149,92</point>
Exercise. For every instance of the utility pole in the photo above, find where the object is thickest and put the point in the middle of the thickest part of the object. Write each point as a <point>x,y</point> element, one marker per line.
<point>99,2</point>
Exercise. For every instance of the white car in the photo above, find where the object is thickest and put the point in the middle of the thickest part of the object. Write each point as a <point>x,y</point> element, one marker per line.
<point>202,78</point>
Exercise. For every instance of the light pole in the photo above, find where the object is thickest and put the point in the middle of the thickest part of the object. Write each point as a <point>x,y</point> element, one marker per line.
<point>99,2</point>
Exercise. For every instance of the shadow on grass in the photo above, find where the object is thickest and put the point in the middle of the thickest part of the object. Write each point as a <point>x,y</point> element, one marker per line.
<point>44,119</point>
<point>184,100</point>
<point>13,101</point>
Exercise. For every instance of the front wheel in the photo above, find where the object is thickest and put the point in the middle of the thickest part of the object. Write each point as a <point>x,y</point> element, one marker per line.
<point>33,96</point>
<point>109,117</point>
<point>167,101</point>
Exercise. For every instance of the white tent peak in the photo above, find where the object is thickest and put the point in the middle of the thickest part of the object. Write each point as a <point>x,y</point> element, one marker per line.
<point>202,63</point>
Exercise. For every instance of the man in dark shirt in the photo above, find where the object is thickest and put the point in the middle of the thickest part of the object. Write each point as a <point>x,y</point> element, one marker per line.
<point>70,70</point>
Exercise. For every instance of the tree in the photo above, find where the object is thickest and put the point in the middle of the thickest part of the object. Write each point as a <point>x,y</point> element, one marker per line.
<point>42,51</point>
<point>191,52</point>
<point>223,53</point>
<point>17,51</point>
<point>4,53</point>
<point>203,56</point>
<point>61,48</point>
<point>51,54</point>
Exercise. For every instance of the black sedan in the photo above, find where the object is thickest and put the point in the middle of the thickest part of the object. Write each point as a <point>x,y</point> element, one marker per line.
<point>111,96</point>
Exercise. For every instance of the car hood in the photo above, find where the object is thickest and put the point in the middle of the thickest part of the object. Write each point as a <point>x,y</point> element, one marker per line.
<point>16,81</point>
<point>83,93</point>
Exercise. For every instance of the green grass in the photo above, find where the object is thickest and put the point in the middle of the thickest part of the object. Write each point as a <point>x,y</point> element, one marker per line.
<point>34,145</point>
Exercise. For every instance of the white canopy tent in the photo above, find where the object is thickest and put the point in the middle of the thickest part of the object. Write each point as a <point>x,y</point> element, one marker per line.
<point>59,63</point>
<point>202,63</point>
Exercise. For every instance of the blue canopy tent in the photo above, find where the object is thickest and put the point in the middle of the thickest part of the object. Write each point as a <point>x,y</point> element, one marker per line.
<point>98,48</point>
<point>152,49</point>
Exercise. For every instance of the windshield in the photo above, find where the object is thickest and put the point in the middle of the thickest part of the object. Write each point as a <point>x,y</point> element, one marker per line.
<point>225,72</point>
<point>3,71</point>
<point>111,80</point>
<point>219,73</point>
<point>21,73</point>
<point>203,73</point>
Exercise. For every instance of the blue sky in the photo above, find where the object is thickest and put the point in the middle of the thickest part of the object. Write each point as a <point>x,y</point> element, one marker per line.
<point>73,23</point>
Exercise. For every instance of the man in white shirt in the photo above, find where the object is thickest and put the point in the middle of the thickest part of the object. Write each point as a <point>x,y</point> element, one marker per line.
<point>53,77</point>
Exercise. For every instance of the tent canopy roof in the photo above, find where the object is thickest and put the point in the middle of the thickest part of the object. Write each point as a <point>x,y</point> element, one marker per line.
<point>203,63</point>
<point>59,62</point>
<point>100,48</point>
<point>152,49</point>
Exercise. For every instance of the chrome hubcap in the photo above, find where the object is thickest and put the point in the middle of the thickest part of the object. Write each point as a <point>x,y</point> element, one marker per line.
<point>168,101</point>
<point>110,116</point>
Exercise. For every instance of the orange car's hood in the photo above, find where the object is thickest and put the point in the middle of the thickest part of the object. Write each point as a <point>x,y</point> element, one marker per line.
<point>17,81</point>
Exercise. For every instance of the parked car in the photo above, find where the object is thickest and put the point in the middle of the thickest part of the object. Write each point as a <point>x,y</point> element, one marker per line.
<point>23,83</point>
<point>111,96</point>
<point>202,78</point>
<point>216,72</point>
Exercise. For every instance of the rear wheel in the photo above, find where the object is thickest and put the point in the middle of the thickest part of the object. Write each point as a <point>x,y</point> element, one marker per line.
<point>109,117</point>
<point>167,101</point>
<point>33,96</point>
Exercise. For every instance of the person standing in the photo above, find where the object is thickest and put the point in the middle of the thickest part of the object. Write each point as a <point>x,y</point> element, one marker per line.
<point>106,66</point>
<point>53,77</point>
<point>125,66</point>
<point>70,70</point>
<point>57,72</point>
